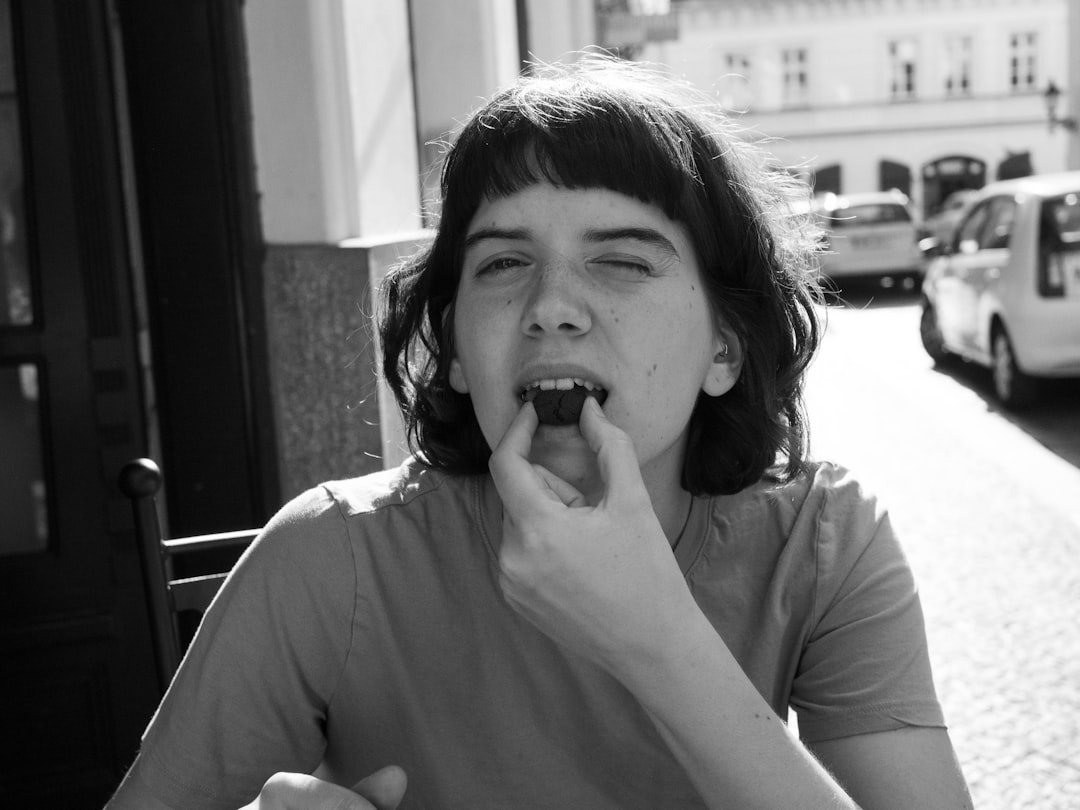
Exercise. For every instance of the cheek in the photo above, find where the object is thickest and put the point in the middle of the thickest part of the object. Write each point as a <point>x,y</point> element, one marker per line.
<point>484,372</point>
<point>680,349</point>
<point>675,368</point>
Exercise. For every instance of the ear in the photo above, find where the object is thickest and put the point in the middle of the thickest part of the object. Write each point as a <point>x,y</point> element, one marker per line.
<point>726,364</point>
<point>457,377</point>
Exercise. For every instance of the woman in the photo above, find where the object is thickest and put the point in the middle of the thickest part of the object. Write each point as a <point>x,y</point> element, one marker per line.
<point>611,568</point>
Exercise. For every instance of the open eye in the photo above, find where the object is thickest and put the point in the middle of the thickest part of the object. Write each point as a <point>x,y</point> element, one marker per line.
<point>500,264</point>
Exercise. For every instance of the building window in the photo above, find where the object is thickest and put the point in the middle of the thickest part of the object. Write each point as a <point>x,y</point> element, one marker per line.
<point>734,84</point>
<point>795,77</point>
<point>902,73</point>
<point>1023,53</point>
<point>958,69</point>
<point>737,63</point>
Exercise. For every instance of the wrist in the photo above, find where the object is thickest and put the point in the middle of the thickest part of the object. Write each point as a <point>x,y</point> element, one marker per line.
<point>681,645</point>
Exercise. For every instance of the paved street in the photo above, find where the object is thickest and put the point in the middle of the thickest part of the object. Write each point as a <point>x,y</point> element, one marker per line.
<point>990,516</point>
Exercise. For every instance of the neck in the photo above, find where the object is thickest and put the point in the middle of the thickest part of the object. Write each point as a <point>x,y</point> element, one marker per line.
<point>670,502</point>
<point>672,513</point>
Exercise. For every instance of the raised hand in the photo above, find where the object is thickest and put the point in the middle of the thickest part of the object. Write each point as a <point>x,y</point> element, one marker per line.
<point>382,790</point>
<point>598,578</point>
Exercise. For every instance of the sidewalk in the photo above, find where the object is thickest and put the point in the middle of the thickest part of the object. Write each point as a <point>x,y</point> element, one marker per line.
<point>990,520</point>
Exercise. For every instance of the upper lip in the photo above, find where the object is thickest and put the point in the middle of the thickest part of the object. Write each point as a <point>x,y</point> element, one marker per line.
<point>555,371</point>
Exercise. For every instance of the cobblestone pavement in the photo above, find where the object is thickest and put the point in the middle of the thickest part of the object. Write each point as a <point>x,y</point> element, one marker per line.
<point>991,522</point>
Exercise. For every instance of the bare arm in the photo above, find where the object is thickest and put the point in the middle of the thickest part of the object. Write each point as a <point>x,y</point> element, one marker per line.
<point>708,713</point>
<point>908,767</point>
<point>731,743</point>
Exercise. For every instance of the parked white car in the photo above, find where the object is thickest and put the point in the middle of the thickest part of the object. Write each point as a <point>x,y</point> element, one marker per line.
<point>1005,290</point>
<point>871,234</point>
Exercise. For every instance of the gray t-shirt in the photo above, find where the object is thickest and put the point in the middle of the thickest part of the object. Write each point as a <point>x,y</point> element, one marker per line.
<point>365,627</point>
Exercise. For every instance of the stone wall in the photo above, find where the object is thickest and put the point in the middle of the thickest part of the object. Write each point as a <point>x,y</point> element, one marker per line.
<point>332,416</point>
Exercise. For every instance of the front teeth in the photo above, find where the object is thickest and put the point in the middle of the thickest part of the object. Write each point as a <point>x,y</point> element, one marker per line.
<point>562,384</point>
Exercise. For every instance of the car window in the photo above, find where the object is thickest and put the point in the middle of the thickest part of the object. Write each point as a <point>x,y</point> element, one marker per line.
<point>956,200</point>
<point>997,231</point>
<point>970,231</point>
<point>870,214</point>
<point>1062,216</point>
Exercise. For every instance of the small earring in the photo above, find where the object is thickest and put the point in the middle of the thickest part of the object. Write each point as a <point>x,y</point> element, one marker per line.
<point>720,355</point>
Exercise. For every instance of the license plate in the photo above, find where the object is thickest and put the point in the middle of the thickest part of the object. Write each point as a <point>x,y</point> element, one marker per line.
<point>869,242</point>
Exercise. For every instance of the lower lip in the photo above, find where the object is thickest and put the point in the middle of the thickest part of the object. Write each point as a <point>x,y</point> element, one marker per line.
<point>558,432</point>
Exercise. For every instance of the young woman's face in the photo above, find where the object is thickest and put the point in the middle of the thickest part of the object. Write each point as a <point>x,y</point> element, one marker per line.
<point>560,284</point>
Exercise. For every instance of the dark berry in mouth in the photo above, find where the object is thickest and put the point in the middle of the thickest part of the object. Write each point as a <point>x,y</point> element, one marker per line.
<point>561,407</point>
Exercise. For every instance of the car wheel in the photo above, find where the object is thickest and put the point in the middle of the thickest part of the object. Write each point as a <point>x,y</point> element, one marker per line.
<point>1012,386</point>
<point>930,332</point>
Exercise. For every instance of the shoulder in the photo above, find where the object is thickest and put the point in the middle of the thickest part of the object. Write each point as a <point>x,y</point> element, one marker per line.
<point>857,556</point>
<point>413,485</point>
<point>370,521</point>
<point>332,504</point>
<point>818,528</point>
<point>825,499</point>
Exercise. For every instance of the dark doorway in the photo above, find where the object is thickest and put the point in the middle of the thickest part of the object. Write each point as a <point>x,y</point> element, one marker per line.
<point>948,174</point>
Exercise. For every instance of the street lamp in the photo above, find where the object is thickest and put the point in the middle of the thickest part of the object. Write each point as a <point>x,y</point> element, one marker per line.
<point>1051,96</point>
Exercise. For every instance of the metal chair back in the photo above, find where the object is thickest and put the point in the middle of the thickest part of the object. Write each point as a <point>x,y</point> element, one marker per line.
<point>168,595</point>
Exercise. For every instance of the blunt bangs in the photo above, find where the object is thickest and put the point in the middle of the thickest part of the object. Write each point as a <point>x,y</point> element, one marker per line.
<point>576,136</point>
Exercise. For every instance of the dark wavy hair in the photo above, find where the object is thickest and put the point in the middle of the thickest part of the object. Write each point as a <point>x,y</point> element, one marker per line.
<point>604,124</point>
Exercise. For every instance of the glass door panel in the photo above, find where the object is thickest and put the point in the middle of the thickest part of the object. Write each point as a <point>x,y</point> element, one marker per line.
<point>16,304</point>
<point>24,524</point>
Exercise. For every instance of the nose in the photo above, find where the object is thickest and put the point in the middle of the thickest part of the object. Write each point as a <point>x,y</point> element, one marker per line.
<point>557,303</point>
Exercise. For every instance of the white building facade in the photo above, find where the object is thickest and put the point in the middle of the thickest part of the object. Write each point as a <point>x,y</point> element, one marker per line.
<point>860,95</point>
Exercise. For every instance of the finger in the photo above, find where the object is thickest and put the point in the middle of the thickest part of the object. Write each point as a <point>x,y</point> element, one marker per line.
<point>615,453</point>
<point>384,788</point>
<point>561,491</point>
<point>515,478</point>
<point>300,791</point>
<point>516,443</point>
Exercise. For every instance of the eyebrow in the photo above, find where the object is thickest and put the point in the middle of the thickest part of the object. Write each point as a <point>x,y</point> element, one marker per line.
<point>496,233</point>
<point>648,236</point>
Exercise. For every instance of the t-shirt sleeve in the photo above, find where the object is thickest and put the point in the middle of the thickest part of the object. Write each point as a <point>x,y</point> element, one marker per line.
<point>250,697</point>
<point>865,666</point>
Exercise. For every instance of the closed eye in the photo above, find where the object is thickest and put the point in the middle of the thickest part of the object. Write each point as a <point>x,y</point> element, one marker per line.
<point>625,264</point>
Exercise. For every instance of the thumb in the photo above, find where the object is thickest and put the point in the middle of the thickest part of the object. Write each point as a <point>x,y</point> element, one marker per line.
<point>384,788</point>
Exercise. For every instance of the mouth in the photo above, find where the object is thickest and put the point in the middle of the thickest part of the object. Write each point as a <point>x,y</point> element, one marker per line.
<point>559,401</point>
